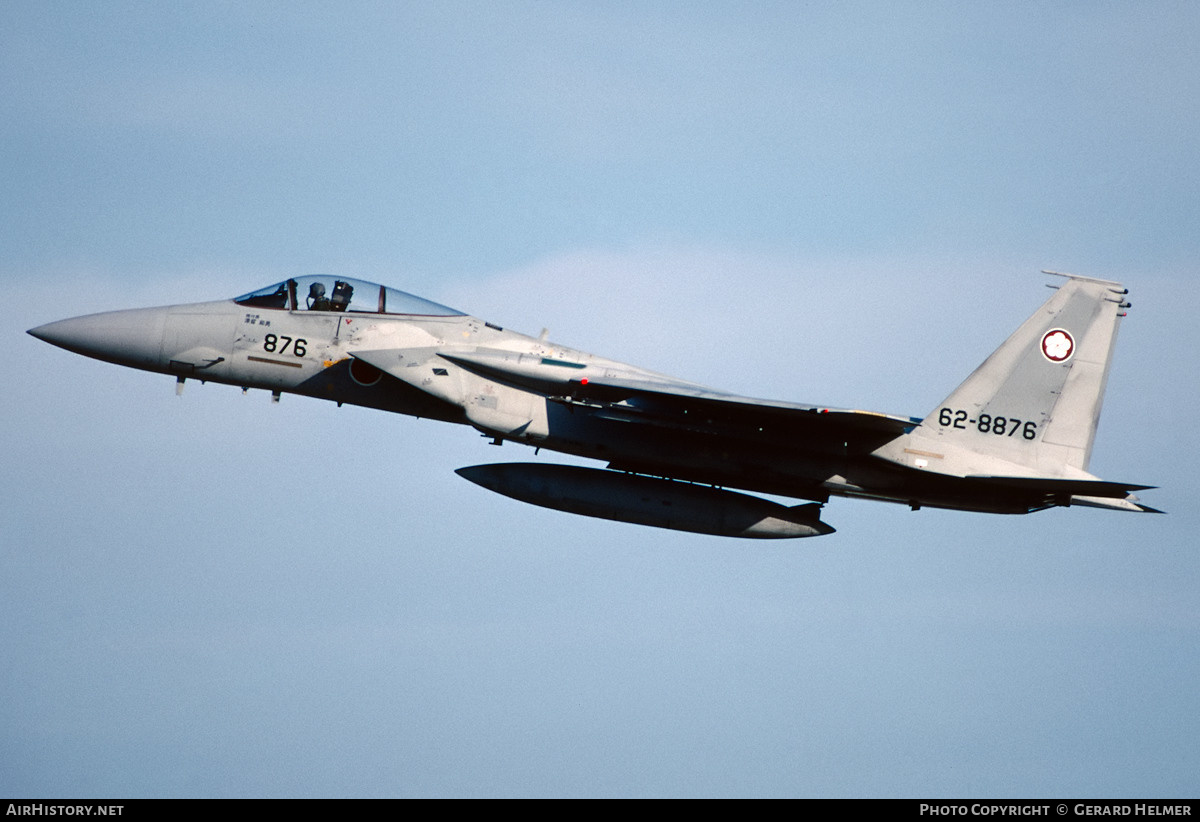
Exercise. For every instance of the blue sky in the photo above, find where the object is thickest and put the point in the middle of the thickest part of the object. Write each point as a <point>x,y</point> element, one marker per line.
<point>838,203</point>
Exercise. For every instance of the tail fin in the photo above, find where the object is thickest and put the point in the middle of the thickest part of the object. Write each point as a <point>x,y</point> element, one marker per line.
<point>1033,406</point>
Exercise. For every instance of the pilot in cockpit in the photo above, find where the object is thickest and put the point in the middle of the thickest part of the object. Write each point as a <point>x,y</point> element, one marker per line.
<point>317,301</point>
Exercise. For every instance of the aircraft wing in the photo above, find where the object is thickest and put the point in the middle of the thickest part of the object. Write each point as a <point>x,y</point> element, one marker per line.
<point>679,405</point>
<point>699,408</point>
<point>659,401</point>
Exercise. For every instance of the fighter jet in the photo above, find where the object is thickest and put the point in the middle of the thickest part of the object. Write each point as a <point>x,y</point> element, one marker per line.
<point>1014,438</point>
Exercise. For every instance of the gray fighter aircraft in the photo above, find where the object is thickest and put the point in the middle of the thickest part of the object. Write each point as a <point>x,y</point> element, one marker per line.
<point>1015,437</point>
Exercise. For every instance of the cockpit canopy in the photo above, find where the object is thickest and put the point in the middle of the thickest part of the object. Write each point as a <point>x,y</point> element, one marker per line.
<point>318,292</point>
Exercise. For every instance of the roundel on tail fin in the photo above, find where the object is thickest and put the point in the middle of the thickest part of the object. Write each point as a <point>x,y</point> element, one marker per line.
<point>1058,345</point>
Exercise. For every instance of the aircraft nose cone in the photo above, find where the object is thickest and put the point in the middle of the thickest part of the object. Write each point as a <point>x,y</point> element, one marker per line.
<point>126,337</point>
<point>60,333</point>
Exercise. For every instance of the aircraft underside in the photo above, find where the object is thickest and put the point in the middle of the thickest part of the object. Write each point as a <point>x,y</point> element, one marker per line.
<point>751,461</point>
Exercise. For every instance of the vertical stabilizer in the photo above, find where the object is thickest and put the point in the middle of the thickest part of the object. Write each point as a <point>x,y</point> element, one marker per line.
<point>1034,404</point>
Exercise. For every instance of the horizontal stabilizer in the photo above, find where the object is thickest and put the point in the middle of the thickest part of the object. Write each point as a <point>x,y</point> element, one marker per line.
<point>1062,487</point>
<point>1129,503</point>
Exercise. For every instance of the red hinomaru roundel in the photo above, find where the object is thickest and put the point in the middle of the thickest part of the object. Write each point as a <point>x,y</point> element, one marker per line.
<point>1058,345</point>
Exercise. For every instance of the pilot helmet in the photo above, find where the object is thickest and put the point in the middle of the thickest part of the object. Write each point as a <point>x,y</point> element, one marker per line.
<point>316,291</point>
